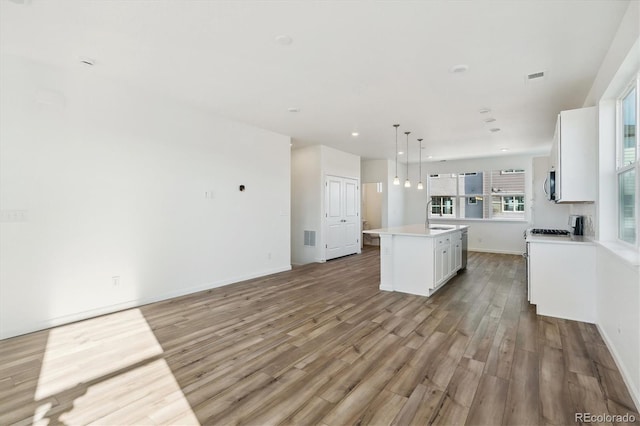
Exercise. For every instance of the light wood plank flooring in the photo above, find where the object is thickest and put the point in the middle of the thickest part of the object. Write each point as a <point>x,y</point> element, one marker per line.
<point>319,345</point>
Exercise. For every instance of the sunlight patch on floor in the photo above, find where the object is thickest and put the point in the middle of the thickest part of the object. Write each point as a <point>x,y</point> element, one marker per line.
<point>145,395</point>
<point>114,357</point>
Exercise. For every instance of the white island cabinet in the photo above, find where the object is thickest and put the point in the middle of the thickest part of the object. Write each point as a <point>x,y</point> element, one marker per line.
<point>417,260</point>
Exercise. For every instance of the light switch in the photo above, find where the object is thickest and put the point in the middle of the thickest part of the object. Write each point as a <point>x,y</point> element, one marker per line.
<point>13,216</point>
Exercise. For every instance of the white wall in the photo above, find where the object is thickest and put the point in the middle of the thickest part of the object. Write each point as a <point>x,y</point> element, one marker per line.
<point>618,281</point>
<point>372,205</point>
<point>310,166</point>
<point>545,213</point>
<point>306,203</point>
<point>618,314</point>
<point>484,235</point>
<point>392,195</point>
<point>113,180</point>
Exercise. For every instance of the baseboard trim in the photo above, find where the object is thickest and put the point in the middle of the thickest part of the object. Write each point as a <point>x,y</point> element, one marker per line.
<point>635,393</point>
<point>496,251</point>
<point>104,310</point>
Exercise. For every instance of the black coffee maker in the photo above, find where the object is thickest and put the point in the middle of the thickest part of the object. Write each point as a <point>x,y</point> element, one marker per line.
<point>577,223</point>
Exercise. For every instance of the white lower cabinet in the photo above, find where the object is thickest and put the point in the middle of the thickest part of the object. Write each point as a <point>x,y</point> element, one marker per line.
<point>448,257</point>
<point>562,281</point>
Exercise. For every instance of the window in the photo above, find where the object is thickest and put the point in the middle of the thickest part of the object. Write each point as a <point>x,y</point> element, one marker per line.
<point>513,204</point>
<point>442,206</point>
<point>497,194</point>
<point>628,163</point>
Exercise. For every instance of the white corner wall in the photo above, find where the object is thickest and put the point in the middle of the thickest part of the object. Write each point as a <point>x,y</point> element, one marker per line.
<point>392,195</point>
<point>618,314</point>
<point>113,180</point>
<point>545,213</point>
<point>310,166</point>
<point>618,281</point>
<point>306,203</point>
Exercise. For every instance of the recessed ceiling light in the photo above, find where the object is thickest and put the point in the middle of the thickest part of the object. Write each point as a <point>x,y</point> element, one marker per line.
<point>354,133</point>
<point>504,149</point>
<point>87,61</point>
<point>459,69</point>
<point>494,129</point>
<point>489,120</point>
<point>284,40</point>
<point>431,156</point>
<point>400,152</point>
<point>293,109</point>
<point>484,110</point>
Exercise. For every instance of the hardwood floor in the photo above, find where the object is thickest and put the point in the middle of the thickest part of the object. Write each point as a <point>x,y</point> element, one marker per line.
<point>319,345</point>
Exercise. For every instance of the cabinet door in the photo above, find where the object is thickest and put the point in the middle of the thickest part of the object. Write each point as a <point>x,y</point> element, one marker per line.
<point>576,155</point>
<point>456,252</point>
<point>446,261</point>
<point>439,266</point>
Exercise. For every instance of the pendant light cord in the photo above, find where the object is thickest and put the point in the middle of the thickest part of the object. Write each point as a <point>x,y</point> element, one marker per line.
<point>396,126</point>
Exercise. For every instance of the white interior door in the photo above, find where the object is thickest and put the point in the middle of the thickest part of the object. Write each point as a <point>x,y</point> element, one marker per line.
<point>351,216</point>
<point>335,235</point>
<point>342,217</point>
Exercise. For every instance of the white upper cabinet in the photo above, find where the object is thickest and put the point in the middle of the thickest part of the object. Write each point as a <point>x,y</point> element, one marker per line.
<point>573,155</point>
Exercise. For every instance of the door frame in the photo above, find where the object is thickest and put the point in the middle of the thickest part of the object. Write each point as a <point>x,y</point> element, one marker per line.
<point>324,212</point>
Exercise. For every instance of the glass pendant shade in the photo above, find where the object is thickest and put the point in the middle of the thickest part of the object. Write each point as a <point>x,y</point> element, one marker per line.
<point>420,186</point>
<point>396,180</point>
<point>407,184</point>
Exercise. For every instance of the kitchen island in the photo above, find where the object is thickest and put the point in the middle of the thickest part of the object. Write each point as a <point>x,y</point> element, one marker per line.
<point>419,260</point>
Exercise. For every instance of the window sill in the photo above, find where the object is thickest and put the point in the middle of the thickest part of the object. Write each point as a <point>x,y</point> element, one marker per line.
<point>443,219</point>
<point>627,254</point>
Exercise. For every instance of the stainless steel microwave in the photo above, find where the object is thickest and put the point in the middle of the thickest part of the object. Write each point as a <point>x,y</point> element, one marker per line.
<point>550,186</point>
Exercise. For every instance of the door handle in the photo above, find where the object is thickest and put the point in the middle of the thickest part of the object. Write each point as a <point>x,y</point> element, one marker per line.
<point>544,186</point>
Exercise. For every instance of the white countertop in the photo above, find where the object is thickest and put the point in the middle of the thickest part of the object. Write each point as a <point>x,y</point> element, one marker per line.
<point>559,239</point>
<point>417,230</point>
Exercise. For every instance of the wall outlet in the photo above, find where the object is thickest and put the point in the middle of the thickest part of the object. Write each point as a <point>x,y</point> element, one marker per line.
<point>12,216</point>
<point>115,281</point>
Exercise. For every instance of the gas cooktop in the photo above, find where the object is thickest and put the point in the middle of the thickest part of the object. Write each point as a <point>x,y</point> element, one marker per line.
<point>560,232</point>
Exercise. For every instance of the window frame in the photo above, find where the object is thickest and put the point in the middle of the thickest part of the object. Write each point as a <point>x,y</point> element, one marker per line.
<point>488,214</point>
<point>622,168</point>
<point>454,211</point>
<point>515,203</point>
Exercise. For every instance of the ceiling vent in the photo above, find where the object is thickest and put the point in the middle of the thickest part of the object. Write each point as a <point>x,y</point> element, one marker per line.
<point>535,76</point>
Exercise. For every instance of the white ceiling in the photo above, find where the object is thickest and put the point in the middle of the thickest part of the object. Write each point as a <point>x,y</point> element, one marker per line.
<point>352,66</point>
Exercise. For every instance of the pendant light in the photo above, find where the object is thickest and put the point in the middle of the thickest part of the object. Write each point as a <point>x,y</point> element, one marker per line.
<point>420,186</point>
<point>407,183</point>
<point>396,180</point>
